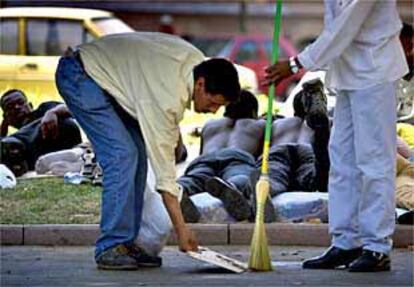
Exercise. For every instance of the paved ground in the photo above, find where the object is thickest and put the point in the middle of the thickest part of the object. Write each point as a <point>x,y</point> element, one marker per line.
<point>73,266</point>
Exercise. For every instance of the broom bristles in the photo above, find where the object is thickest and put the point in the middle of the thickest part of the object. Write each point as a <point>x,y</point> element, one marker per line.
<point>259,251</point>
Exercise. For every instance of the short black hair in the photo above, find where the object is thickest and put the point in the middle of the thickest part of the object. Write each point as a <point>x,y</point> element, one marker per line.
<point>246,107</point>
<point>220,77</point>
<point>406,31</point>
<point>9,92</point>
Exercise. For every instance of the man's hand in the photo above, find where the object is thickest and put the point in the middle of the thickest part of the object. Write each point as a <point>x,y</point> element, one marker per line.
<point>187,239</point>
<point>49,125</point>
<point>276,73</point>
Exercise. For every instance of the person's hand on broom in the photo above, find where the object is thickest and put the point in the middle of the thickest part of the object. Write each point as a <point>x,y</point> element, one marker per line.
<point>276,73</point>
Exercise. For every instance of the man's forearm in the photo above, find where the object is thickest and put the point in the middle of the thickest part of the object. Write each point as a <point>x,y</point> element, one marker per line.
<point>174,210</point>
<point>4,129</point>
<point>61,111</point>
<point>187,240</point>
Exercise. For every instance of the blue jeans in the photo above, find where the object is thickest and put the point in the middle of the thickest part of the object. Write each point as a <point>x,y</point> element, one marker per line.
<point>292,167</point>
<point>230,164</point>
<point>120,149</point>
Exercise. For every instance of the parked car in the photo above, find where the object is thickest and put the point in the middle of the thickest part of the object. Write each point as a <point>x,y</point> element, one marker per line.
<point>209,45</point>
<point>33,38</point>
<point>250,51</point>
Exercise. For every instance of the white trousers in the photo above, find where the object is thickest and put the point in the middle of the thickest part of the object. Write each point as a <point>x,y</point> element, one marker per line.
<point>362,176</point>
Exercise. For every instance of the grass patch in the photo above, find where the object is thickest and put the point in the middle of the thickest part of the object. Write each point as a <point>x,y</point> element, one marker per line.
<point>49,200</point>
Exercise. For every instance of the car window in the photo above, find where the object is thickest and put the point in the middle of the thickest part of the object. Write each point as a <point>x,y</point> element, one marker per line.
<point>268,48</point>
<point>112,26</point>
<point>9,37</point>
<point>209,46</point>
<point>226,50</point>
<point>247,52</point>
<point>51,37</point>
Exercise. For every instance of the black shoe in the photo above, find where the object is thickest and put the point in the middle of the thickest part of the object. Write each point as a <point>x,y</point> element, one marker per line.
<point>334,257</point>
<point>12,154</point>
<point>371,261</point>
<point>234,201</point>
<point>314,104</point>
<point>189,210</point>
<point>117,258</point>
<point>406,218</point>
<point>141,257</point>
<point>298,108</point>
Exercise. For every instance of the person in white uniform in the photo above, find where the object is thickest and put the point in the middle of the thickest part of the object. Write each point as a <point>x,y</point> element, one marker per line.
<point>360,49</point>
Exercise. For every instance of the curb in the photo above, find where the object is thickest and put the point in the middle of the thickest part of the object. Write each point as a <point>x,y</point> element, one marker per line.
<point>304,234</point>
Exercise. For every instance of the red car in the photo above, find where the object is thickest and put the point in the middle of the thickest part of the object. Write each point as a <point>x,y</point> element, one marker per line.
<point>251,51</point>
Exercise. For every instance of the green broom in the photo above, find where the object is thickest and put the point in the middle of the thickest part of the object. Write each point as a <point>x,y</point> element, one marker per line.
<point>259,251</point>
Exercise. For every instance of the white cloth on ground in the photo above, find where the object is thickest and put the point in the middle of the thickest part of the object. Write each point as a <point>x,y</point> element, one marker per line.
<point>60,162</point>
<point>7,178</point>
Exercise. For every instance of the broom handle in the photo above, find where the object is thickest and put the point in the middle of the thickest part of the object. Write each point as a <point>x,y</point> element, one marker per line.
<point>275,58</point>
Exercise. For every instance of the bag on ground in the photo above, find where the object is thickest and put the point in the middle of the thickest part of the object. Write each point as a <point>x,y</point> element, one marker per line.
<point>301,206</point>
<point>156,224</point>
<point>211,209</point>
<point>60,162</point>
<point>7,178</point>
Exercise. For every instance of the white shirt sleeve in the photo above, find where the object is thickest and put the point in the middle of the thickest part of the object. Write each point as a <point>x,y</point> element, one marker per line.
<point>337,35</point>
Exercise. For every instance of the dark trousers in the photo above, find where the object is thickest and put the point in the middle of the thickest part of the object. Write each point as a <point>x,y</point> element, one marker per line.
<point>230,164</point>
<point>291,167</point>
<point>297,167</point>
<point>35,145</point>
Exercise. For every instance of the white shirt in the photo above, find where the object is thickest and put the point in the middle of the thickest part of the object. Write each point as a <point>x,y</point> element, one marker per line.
<point>359,45</point>
<point>151,76</point>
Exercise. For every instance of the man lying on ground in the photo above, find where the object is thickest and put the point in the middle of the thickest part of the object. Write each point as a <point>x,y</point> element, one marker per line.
<point>227,159</point>
<point>227,166</point>
<point>46,129</point>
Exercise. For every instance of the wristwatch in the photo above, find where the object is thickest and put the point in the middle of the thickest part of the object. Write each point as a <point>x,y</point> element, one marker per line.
<point>294,68</point>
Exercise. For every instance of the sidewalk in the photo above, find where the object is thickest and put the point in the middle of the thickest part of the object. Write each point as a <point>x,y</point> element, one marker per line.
<point>304,234</point>
<point>74,266</point>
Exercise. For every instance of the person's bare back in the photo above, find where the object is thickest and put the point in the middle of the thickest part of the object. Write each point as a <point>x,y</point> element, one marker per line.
<point>247,135</point>
<point>291,130</point>
<point>244,134</point>
<point>215,135</point>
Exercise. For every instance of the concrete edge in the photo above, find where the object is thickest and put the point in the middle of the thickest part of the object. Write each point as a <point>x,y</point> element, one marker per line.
<point>60,234</point>
<point>207,234</point>
<point>283,234</point>
<point>11,234</point>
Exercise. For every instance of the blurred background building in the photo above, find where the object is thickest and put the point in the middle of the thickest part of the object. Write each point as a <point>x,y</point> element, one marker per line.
<point>31,40</point>
<point>302,19</point>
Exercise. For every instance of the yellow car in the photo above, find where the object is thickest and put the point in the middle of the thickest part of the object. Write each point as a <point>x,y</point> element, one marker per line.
<point>33,38</point>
